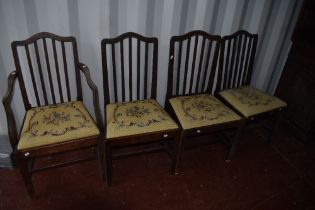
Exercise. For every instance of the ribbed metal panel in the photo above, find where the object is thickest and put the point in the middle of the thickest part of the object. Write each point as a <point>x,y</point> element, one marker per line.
<point>90,21</point>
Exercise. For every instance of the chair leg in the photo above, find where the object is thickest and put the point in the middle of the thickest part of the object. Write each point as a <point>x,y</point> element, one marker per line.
<point>27,176</point>
<point>235,141</point>
<point>275,126</point>
<point>100,157</point>
<point>177,152</point>
<point>108,157</point>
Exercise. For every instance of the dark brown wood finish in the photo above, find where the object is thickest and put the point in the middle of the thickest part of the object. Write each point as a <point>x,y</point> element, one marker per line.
<point>65,67</point>
<point>142,84</point>
<point>57,70</point>
<point>197,74</point>
<point>49,72</point>
<point>27,157</point>
<point>112,67</point>
<point>12,129</point>
<point>201,77</point>
<point>237,59</point>
<point>40,72</point>
<point>236,68</point>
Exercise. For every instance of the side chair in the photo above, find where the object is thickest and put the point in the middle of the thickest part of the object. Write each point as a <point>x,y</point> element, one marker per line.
<point>132,114</point>
<point>192,73</point>
<point>237,60</point>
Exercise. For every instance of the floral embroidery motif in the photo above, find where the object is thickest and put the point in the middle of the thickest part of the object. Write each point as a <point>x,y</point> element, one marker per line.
<point>138,114</point>
<point>203,107</point>
<point>56,117</point>
<point>56,120</point>
<point>251,97</point>
<point>137,111</point>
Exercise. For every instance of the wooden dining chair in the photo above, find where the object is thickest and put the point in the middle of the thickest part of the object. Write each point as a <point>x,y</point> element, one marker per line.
<point>56,121</point>
<point>132,114</point>
<point>192,74</point>
<point>237,60</point>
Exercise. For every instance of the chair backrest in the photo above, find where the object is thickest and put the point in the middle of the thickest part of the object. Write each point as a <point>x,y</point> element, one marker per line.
<point>45,69</point>
<point>237,59</point>
<point>129,68</point>
<point>193,62</point>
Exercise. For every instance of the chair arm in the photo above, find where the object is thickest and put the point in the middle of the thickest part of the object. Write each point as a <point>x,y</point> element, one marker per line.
<point>94,89</point>
<point>7,99</point>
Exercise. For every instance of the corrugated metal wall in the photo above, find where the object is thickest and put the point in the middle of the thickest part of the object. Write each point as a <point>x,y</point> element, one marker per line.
<point>90,21</point>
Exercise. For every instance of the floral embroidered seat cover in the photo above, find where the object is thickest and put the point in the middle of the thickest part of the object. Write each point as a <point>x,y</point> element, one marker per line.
<point>136,117</point>
<point>201,110</point>
<point>56,123</point>
<point>250,101</point>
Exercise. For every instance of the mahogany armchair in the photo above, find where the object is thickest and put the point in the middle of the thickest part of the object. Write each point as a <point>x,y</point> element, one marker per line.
<point>56,120</point>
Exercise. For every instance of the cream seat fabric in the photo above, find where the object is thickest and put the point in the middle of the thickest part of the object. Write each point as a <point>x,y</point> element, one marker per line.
<point>56,123</point>
<point>201,110</point>
<point>136,117</point>
<point>250,101</point>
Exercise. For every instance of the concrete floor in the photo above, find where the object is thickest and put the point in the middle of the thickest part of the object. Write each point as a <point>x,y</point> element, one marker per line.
<point>262,176</point>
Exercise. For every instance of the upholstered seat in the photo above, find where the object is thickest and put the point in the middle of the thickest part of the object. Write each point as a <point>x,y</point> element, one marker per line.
<point>136,117</point>
<point>56,123</point>
<point>250,101</point>
<point>201,110</point>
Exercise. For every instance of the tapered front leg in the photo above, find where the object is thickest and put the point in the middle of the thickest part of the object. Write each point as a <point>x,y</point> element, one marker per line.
<point>177,152</point>
<point>25,169</point>
<point>235,141</point>
<point>108,162</point>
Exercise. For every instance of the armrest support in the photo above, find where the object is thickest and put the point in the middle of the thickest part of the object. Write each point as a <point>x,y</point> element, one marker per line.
<point>7,99</point>
<point>94,89</point>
